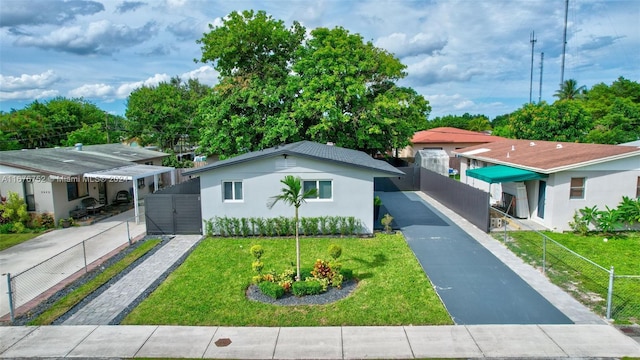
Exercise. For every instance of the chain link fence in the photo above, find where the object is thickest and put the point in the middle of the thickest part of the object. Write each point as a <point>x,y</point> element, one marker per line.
<point>614,296</point>
<point>29,285</point>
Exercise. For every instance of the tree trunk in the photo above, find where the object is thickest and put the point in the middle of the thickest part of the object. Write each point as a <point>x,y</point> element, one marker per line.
<point>297,248</point>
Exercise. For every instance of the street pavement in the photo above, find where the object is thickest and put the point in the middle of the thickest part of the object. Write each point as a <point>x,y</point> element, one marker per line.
<point>396,342</point>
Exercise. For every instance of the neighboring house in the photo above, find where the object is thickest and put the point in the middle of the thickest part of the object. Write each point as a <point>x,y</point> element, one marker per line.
<point>549,181</point>
<point>448,139</point>
<point>56,180</point>
<point>243,185</point>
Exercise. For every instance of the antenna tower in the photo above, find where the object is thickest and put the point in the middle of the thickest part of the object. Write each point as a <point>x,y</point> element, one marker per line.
<point>541,68</point>
<point>533,40</point>
<point>564,41</point>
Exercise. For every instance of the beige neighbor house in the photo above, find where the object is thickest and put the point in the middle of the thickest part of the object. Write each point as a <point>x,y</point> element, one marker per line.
<point>548,181</point>
<point>445,138</point>
<point>60,180</point>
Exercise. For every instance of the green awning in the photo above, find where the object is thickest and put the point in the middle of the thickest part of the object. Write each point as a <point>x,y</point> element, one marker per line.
<point>502,173</point>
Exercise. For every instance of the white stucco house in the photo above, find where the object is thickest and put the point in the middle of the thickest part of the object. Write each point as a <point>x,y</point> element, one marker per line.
<point>243,185</point>
<point>57,180</point>
<point>548,181</point>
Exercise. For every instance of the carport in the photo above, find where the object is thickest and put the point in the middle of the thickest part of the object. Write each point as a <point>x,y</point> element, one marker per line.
<point>502,173</point>
<point>133,173</point>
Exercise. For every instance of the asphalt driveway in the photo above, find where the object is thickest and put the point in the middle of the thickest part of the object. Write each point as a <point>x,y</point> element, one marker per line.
<point>475,286</point>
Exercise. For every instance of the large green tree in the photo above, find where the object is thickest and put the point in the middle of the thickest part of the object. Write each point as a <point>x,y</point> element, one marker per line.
<point>561,121</point>
<point>248,109</point>
<point>48,124</point>
<point>165,114</point>
<point>346,94</point>
<point>275,87</point>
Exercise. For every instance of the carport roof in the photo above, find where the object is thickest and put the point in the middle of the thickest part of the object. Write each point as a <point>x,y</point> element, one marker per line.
<point>503,173</point>
<point>127,173</point>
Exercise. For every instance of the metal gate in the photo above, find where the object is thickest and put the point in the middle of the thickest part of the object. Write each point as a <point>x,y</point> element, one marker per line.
<point>175,210</point>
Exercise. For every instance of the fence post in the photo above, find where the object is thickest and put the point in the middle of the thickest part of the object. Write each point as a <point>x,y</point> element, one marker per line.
<point>505,228</point>
<point>10,293</point>
<point>610,293</point>
<point>128,234</point>
<point>84,253</point>
<point>544,254</point>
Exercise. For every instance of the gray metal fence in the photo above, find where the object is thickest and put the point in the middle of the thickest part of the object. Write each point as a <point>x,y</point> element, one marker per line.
<point>610,295</point>
<point>29,287</point>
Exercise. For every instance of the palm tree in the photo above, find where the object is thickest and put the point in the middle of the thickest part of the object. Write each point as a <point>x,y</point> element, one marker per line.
<point>292,194</point>
<point>569,90</point>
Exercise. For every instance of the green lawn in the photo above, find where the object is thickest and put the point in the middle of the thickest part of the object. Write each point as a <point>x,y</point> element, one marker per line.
<point>209,287</point>
<point>9,240</point>
<point>586,282</point>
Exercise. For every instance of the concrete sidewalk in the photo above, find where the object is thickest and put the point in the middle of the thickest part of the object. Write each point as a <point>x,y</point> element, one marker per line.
<point>401,342</point>
<point>109,305</point>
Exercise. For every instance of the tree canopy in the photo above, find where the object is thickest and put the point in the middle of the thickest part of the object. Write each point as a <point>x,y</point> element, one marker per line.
<point>57,122</point>
<point>165,114</point>
<point>275,87</point>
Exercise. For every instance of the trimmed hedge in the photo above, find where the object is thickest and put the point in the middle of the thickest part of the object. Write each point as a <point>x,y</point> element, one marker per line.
<point>271,289</point>
<point>309,287</point>
<point>283,226</point>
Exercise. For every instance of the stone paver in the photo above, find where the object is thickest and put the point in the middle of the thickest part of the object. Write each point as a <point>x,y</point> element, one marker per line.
<point>108,305</point>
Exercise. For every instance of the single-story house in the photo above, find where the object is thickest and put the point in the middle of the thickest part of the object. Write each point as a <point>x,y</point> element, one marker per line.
<point>448,139</point>
<point>243,185</point>
<point>58,180</point>
<point>548,181</point>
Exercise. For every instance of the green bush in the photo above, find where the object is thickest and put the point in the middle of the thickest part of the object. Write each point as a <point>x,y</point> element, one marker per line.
<point>335,251</point>
<point>347,274</point>
<point>257,251</point>
<point>14,210</point>
<point>271,289</point>
<point>309,287</point>
<point>6,228</point>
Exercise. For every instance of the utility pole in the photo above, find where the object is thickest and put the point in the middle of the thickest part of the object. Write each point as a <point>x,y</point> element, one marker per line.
<point>533,40</point>
<point>541,68</point>
<point>564,41</point>
<point>106,126</point>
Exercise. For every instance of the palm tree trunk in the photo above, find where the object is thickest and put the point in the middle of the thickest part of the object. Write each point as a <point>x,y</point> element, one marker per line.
<point>297,249</point>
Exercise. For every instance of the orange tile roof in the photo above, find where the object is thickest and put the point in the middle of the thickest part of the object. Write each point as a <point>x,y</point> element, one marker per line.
<point>452,135</point>
<point>547,156</point>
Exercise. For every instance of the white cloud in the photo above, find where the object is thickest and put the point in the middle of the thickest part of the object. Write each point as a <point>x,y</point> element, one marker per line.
<point>205,74</point>
<point>28,94</point>
<point>100,37</point>
<point>402,45</point>
<point>124,90</point>
<point>26,81</point>
<point>92,91</point>
<point>435,69</point>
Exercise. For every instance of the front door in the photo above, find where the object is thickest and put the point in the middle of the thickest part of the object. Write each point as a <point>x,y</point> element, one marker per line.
<point>102,192</point>
<point>542,191</point>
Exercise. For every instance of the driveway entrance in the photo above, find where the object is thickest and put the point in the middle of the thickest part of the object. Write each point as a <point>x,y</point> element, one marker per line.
<point>474,285</point>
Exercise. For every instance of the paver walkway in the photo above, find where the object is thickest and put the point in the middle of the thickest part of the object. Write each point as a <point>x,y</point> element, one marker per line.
<point>475,286</point>
<point>111,303</point>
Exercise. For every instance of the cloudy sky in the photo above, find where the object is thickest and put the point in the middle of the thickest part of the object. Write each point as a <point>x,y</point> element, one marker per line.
<point>464,56</point>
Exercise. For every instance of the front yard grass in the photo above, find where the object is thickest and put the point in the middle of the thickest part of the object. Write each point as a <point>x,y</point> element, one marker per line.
<point>588,283</point>
<point>209,287</point>
<point>9,240</point>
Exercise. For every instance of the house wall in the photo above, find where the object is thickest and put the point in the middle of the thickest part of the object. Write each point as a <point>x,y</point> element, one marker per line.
<point>605,185</point>
<point>352,190</point>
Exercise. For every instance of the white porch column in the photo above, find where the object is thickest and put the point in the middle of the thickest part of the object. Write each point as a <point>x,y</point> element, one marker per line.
<point>135,200</point>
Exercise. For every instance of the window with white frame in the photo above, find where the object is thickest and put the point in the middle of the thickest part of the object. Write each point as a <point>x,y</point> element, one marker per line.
<point>232,191</point>
<point>324,188</point>
<point>577,188</point>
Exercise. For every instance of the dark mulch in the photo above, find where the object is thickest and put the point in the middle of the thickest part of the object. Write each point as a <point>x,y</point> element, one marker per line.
<point>331,295</point>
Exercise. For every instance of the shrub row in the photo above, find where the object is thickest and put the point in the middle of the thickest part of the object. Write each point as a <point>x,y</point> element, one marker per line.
<point>282,226</point>
<point>625,216</point>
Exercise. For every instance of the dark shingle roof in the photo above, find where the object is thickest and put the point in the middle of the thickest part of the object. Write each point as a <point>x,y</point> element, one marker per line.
<point>71,162</point>
<point>312,150</point>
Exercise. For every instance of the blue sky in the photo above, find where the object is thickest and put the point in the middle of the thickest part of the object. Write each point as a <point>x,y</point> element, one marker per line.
<point>464,56</point>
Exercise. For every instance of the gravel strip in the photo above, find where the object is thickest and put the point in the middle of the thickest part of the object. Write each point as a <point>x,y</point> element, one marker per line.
<point>331,295</point>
